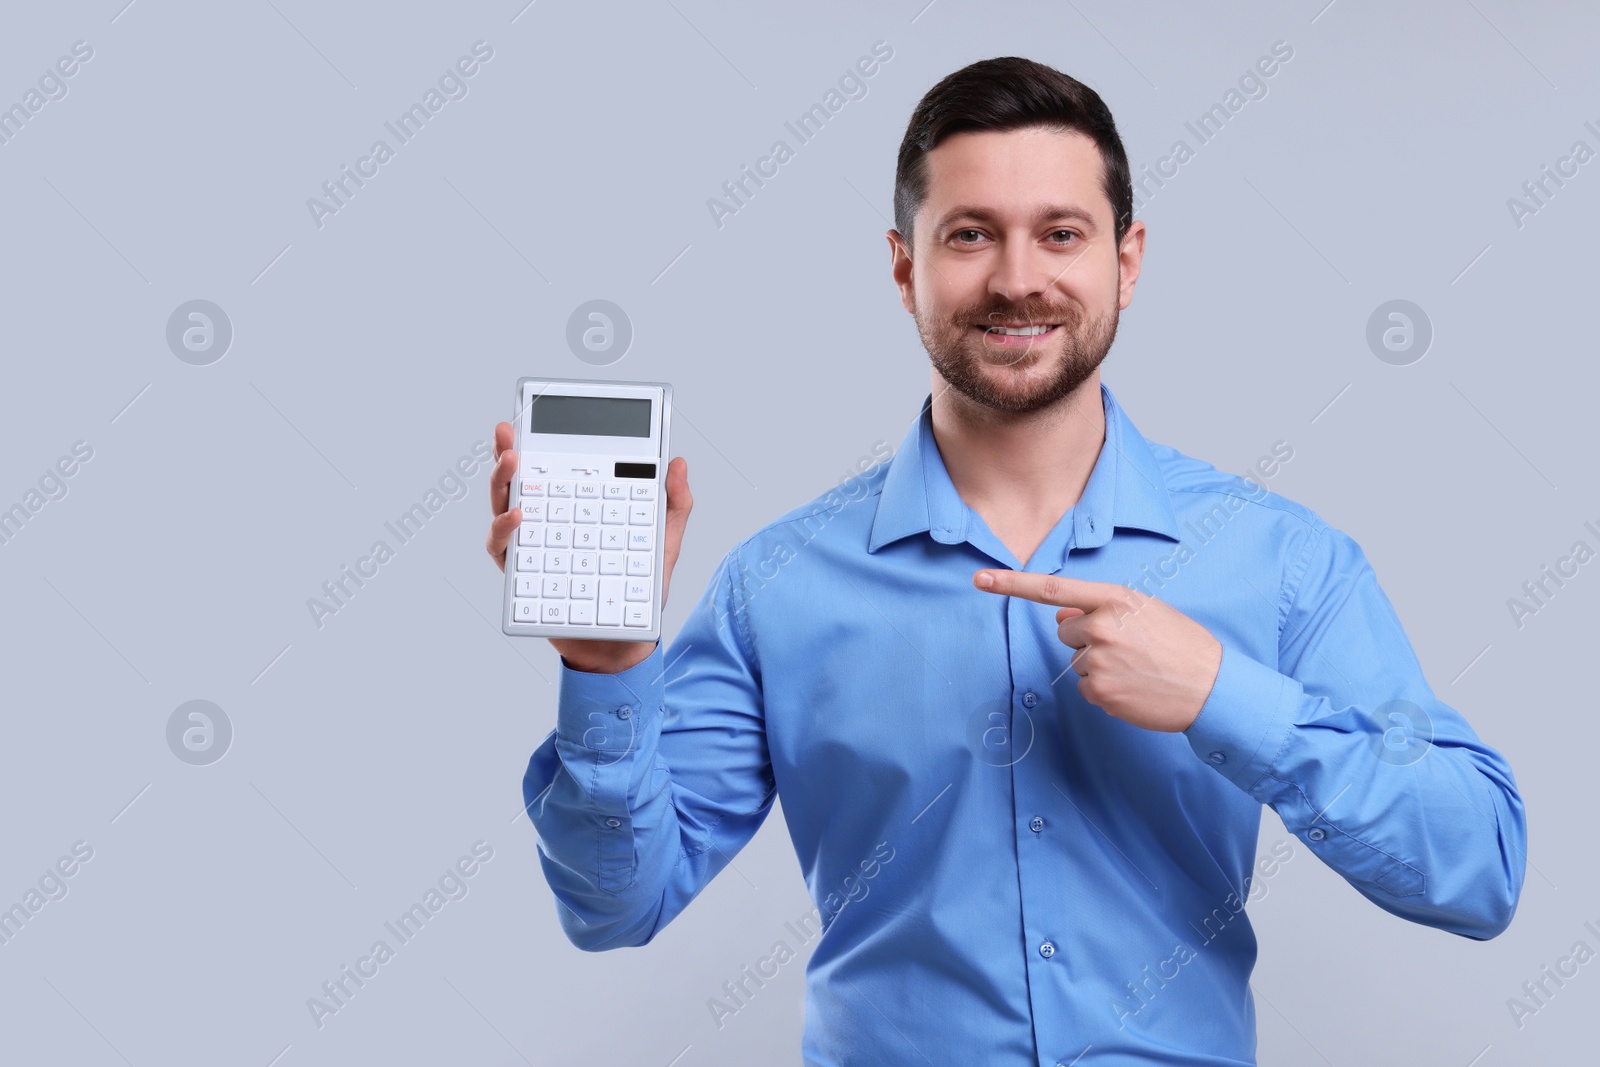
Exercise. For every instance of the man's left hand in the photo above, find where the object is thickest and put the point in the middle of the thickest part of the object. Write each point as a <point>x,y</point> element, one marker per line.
<point>1137,657</point>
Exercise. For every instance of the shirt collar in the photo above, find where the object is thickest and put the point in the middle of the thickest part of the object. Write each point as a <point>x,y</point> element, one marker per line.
<point>1125,488</point>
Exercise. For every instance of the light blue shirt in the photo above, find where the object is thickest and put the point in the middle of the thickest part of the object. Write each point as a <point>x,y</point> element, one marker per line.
<point>1004,874</point>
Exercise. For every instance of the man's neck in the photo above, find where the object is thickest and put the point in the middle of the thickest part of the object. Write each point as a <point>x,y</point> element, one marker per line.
<point>1019,472</point>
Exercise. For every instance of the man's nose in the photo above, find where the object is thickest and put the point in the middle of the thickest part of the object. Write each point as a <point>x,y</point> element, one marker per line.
<point>1020,272</point>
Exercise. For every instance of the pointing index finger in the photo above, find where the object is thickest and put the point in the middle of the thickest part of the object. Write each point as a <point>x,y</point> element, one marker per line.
<point>1054,589</point>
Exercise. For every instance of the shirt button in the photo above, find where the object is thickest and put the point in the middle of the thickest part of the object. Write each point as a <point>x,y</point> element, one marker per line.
<point>613,822</point>
<point>624,711</point>
<point>1047,949</point>
<point>1028,699</point>
<point>1036,824</point>
<point>1316,833</point>
<point>1218,757</point>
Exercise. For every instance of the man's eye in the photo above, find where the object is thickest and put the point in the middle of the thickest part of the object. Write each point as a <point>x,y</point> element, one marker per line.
<point>1069,233</point>
<point>958,233</point>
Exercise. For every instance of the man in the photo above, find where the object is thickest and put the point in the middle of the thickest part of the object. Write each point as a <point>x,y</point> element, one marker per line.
<point>1025,687</point>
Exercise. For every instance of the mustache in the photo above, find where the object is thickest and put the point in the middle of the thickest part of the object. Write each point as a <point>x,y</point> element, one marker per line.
<point>1033,311</point>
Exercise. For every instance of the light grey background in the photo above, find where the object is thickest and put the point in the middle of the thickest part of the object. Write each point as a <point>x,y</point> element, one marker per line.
<point>372,352</point>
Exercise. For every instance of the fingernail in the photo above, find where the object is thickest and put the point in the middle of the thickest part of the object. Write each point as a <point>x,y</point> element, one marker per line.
<point>985,579</point>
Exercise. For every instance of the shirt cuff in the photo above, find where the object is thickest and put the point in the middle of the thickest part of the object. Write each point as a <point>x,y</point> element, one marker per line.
<point>1244,721</point>
<point>590,702</point>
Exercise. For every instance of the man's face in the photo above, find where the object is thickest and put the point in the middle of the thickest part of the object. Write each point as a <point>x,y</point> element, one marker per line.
<point>1016,234</point>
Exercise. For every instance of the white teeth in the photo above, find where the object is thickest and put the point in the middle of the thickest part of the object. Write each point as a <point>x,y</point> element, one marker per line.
<point>1024,331</point>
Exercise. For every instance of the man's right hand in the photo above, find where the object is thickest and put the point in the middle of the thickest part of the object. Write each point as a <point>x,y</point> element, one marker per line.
<point>584,654</point>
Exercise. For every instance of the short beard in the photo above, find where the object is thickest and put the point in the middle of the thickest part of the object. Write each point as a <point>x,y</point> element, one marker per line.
<point>956,353</point>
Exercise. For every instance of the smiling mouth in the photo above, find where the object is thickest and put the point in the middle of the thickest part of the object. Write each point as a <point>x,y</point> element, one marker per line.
<point>1023,331</point>
<point>1017,335</point>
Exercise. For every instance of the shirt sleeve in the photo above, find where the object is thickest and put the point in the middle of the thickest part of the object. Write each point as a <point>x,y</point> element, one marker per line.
<point>1382,780</point>
<point>654,777</point>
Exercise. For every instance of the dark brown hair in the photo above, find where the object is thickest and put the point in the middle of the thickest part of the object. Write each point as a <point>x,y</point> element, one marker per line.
<point>1009,93</point>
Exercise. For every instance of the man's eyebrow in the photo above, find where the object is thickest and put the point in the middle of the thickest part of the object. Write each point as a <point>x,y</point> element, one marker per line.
<point>1047,213</point>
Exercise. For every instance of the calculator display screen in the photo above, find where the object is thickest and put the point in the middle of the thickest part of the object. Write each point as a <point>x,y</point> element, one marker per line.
<point>600,416</point>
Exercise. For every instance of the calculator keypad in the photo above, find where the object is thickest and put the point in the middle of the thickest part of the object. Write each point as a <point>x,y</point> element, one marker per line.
<point>585,553</point>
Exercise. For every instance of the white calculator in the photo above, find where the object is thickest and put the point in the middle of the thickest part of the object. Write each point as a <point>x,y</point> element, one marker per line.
<point>591,482</point>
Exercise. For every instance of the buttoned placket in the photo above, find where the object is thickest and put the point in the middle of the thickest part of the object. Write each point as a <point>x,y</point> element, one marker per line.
<point>1033,675</point>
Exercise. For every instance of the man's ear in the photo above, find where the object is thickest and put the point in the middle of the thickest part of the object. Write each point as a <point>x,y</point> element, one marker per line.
<point>1130,257</point>
<point>900,268</point>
